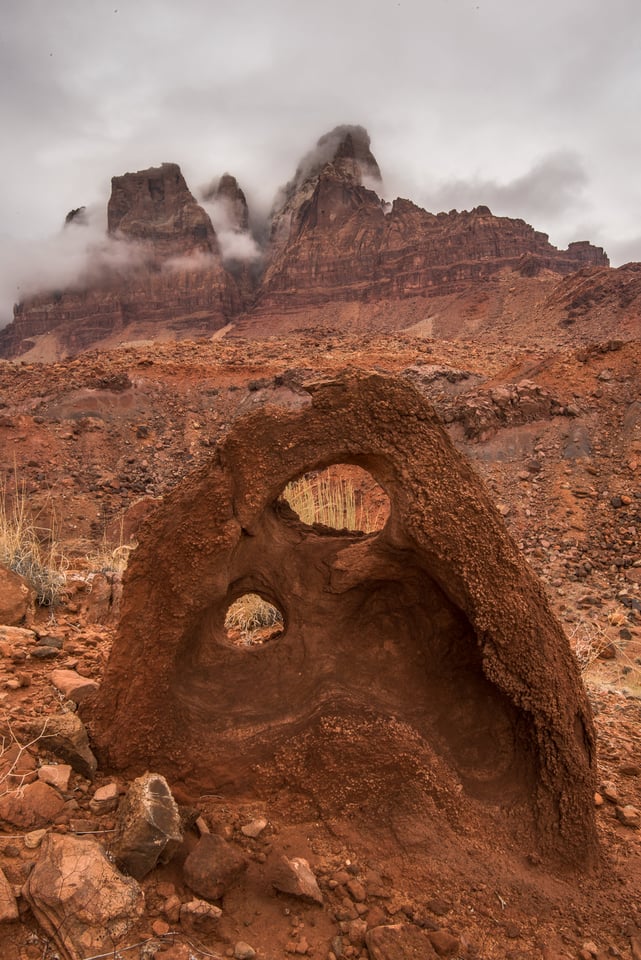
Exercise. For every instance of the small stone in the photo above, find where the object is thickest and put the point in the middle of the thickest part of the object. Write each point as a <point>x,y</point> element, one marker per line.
<point>44,652</point>
<point>213,866</point>
<point>33,839</point>
<point>72,686</point>
<point>438,907</point>
<point>356,931</point>
<point>609,790</point>
<point>444,943</point>
<point>149,830</point>
<point>254,829</point>
<point>17,598</point>
<point>200,916</point>
<point>243,951</point>
<point>598,800</point>
<point>160,928</point>
<point>356,890</point>
<point>105,799</point>
<point>628,815</point>
<point>396,942</point>
<point>66,737</point>
<point>56,775</point>
<point>171,908</point>
<point>294,877</point>
<point>35,805</point>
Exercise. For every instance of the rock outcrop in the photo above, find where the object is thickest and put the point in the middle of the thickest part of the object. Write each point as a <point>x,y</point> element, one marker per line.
<point>156,208</point>
<point>173,281</point>
<point>331,242</point>
<point>227,192</point>
<point>343,245</point>
<point>418,665</point>
<point>79,898</point>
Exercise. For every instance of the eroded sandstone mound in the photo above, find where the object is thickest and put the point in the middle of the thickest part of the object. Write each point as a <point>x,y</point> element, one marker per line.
<point>418,665</point>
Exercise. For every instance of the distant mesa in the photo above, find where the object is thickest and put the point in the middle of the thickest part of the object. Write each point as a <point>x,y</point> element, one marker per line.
<point>333,254</point>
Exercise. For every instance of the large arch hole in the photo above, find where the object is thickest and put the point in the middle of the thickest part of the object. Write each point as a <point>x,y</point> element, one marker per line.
<point>343,498</point>
<point>252,621</point>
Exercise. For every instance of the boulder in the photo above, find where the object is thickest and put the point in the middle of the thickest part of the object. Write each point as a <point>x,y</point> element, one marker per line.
<point>212,867</point>
<point>17,598</point>
<point>35,805</point>
<point>463,649</point>
<point>294,876</point>
<point>149,828</point>
<point>80,899</point>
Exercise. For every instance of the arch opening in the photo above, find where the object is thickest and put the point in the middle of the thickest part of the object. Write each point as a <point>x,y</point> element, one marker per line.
<point>342,497</point>
<point>251,621</point>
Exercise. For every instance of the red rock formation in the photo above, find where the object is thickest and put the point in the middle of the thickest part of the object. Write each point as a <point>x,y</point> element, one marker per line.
<point>155,207</point>
<point>227,191</point>
<point>343,245</point>
<point>426,652</point>
<point>174,282</point>
<point>333,243</point>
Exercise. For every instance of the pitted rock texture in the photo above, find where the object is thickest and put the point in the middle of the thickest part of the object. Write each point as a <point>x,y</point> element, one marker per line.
<point>432,634</point>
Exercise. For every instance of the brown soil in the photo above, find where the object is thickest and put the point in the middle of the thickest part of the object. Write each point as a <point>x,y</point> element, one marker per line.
<point>556,435</point>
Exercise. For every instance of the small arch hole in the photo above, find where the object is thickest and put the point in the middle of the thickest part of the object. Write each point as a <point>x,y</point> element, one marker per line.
<point>342,497</point>
<point>251,621</point>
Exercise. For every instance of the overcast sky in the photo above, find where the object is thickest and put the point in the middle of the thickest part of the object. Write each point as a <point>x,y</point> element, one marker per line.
<point>529,107</point>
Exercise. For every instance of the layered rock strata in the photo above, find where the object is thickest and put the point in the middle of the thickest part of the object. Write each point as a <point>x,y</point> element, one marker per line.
<point>332,241</point>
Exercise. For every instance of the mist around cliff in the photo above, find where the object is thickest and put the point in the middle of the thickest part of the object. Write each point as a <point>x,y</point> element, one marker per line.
<point>236,245</point>
<point>80,254</point>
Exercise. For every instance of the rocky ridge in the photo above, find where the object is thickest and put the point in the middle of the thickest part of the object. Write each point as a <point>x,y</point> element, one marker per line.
<point>336,253</point>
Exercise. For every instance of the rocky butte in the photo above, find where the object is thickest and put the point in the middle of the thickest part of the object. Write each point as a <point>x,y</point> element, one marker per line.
<point>333,253</point>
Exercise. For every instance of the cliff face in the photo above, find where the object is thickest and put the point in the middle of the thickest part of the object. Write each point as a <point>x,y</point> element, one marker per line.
<point>332,242</point>
<point>173,283</point>
<point>343,245</point>
<point>156,208</point>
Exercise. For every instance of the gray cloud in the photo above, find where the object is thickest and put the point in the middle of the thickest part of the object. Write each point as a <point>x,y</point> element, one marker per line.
<point>554,187</point>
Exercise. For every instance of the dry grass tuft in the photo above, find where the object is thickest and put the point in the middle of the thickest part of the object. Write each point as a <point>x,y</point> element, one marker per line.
<point>250,618</point>
<point>328,498</point>
<point>30,548</point>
